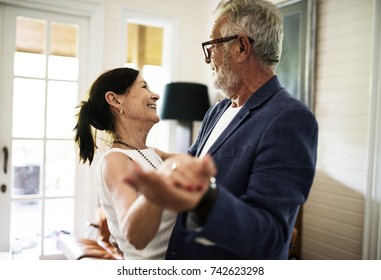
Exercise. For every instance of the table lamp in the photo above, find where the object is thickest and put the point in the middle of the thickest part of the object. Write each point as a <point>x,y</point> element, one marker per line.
<point>185,102</point>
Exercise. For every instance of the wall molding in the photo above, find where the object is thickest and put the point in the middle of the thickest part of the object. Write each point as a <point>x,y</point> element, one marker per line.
<point>372,219</point>
<point>81,8</point>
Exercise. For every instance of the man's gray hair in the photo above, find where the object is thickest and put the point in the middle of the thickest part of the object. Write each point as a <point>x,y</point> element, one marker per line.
<point>258,19</point>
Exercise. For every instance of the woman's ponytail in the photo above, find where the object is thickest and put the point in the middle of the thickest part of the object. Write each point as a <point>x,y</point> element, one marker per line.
<point>84,135</point>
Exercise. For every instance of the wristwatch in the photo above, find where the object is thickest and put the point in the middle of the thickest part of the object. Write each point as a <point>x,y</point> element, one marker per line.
<point>197,216</point>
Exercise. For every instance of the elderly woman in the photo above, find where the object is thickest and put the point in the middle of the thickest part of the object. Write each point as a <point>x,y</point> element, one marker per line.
<point>121,103</point>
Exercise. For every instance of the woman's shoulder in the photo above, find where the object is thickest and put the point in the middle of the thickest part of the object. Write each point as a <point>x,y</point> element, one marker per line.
<point>116,155</point>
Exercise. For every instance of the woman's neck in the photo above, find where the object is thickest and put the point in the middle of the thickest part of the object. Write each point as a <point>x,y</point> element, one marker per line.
<point>134,138</point>
<point>130,142</point>
<point>135,135</point>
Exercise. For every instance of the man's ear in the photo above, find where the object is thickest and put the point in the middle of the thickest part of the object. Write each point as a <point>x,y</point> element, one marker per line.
<point>244,48</point>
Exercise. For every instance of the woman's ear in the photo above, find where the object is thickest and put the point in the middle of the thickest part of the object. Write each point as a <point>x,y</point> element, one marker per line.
<point>112,99</point>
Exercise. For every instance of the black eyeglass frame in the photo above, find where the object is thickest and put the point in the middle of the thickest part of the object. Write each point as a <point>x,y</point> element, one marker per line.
<point>207,50</point>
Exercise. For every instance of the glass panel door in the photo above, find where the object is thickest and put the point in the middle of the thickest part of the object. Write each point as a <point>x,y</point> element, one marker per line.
<point>43,84</point>
<point>43,158</point>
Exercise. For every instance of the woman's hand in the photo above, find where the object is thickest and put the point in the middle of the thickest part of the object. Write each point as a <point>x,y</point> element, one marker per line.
<point>178,185</point>
<point>187,172</point>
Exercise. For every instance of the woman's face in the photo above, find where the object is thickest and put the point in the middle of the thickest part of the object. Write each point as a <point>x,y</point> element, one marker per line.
<point>140,102</point>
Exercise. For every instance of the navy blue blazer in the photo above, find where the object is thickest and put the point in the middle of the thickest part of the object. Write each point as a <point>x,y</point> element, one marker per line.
<point>266,161</point>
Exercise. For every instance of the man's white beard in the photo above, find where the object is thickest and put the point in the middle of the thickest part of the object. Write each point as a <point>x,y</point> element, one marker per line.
<point>227,80</point>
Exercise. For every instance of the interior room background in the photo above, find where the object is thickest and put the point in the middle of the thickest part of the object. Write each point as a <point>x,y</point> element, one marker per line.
<point>341,219</point>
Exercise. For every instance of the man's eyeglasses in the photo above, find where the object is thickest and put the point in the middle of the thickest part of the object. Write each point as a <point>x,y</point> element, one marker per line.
<point>208,45</point>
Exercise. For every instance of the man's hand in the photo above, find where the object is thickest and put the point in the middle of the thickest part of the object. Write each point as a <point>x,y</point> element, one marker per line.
<point>178,185</point>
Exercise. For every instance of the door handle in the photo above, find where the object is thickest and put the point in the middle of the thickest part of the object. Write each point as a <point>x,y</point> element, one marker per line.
<point>5,152</point>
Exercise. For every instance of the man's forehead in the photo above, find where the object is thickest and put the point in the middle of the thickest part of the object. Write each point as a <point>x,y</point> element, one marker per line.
<point>217,26</point>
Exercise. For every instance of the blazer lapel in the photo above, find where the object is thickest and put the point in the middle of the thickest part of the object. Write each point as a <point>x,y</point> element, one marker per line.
<point>234,124</point>
<point>257,99</point>
<point>213,122</point>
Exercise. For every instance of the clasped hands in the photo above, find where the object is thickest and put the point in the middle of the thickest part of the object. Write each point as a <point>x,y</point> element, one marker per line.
<point>178,185</point>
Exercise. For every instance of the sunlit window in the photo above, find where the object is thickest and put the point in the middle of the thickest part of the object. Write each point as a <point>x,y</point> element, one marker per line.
<point>145,53</point>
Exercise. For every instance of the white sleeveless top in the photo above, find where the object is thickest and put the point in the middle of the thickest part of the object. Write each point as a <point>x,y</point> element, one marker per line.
<point>156,249</point>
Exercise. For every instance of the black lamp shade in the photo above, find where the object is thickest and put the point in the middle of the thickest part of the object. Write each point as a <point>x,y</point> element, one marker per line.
<point>184,101</point>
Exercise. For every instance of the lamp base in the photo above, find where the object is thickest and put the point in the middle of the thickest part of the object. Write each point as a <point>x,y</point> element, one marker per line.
<point>189,126</point>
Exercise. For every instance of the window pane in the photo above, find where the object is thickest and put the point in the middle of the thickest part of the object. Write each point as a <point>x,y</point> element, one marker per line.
<point>27,158</point>
<point>60,168</point>
<point>30,65</point>
<point>155,77</point>
<point>26,228</point>
<point>62,100</point>
<point>28,108</point>
<point>144,44</point>
<point>63,68</point>
<point>59,217</point>
<point>63,40</point>
<point>30,35</point>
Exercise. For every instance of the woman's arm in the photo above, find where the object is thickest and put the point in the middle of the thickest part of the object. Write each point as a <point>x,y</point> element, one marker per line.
<point>138,218</point>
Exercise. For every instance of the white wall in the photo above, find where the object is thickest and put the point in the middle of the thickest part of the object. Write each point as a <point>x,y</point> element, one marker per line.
<point>334,214</point>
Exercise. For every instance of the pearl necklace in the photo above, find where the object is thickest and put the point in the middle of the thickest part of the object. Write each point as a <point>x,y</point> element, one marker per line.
<point>136,149</point>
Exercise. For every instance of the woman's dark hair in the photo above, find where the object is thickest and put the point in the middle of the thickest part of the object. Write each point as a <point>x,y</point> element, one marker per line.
<point>95,111</point>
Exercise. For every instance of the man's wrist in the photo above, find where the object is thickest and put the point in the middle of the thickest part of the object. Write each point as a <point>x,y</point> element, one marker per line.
<point>209,197</point>
<point>200,213</point>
